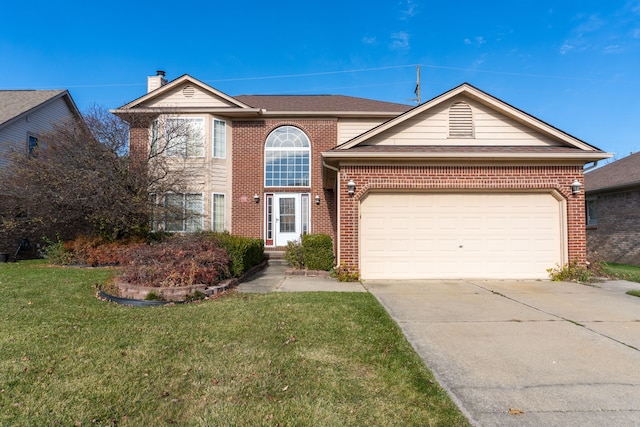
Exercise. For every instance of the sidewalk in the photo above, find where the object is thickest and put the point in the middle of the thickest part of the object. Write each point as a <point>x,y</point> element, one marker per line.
<point>274,278</point>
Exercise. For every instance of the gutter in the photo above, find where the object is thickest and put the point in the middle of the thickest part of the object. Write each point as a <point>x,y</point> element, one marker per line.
<point>588,168</point>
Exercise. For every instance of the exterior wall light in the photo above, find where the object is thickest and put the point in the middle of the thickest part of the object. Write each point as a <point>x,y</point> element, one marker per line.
<point>317,199</point>
<point>575,187</point>
<point>351,187</point>
<point>256,198</point>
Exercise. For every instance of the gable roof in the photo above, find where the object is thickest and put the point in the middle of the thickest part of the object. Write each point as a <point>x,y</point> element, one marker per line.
<point>476,94</point>
<point>267,105</point>
<point>15,104</point>
<point>618,175</point>
<point>178,82</point>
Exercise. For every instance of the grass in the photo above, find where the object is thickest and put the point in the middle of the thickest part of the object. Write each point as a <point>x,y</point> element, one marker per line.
<point>330,359</point>
<point>622,271</point>
<point>625,272</point>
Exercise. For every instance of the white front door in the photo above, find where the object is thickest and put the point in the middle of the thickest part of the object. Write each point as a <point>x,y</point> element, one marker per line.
<point>287,217</point>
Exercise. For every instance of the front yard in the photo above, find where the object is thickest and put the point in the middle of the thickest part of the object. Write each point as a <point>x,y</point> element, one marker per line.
<point>325,359</point>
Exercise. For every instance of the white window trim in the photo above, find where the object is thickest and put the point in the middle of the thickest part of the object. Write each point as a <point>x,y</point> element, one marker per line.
<point>224,211</point>
<point>271,149</point>
<point>223,154</point>
<point>185,154</point>
<point>186,219</point>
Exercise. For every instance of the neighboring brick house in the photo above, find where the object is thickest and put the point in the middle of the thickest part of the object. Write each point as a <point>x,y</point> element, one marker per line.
<point>26,115</point>
<point>461,186</point>
<point>613,211</point>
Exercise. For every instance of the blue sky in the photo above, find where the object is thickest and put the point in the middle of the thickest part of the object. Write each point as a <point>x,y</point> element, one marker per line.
<point>573,64</point>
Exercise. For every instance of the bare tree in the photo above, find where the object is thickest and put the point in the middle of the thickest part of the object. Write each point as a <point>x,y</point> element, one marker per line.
<point>86,179</point>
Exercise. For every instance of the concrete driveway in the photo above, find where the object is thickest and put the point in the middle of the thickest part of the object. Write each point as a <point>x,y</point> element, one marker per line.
<point>520,353</point>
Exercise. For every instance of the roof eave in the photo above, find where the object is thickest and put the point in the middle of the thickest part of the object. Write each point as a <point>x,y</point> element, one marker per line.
<point>581,156</point>
<point>63,94</point>
<point>232,112</point>
<point>358,114</point>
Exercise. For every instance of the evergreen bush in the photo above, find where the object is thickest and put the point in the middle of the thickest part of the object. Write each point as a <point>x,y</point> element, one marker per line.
<point>317,251</point>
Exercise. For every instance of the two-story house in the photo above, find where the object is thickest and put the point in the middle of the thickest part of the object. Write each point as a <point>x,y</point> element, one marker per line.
<point>463,185</point>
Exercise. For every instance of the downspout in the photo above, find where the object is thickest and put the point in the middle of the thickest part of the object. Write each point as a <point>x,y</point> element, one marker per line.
<point>336,169</point>
<point>337,190</point>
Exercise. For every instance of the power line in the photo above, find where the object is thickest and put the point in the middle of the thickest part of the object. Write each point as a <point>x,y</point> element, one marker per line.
<point>360,70</point>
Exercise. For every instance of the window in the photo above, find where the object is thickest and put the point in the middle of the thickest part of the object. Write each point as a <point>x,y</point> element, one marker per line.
<point>592,212</point>
<point>32,143</point>
<point>184,137</point>
<point>217,212</point>
<point>460,121</point>
<point>219,139</point>
<point>287,152</point>
<point>183,212</point>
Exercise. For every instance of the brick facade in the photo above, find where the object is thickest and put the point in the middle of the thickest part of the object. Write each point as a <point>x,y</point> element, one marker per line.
<point>459,178</point>
<point>616,237</point>
<point>249,137</point>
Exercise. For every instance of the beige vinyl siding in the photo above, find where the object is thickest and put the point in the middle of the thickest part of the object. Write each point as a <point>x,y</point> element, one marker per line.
<point>13,137</point>
<point>209,175</point>
<point>350,128</point>
<point>188,95</point>
<point>489,128</point>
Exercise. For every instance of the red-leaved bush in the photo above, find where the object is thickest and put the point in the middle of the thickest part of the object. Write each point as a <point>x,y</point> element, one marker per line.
<point>179,261</point>
<point>95,251</point>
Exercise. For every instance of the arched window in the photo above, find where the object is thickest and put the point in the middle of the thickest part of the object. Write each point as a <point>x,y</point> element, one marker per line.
<point>460,121</point>
<point>286,158</point>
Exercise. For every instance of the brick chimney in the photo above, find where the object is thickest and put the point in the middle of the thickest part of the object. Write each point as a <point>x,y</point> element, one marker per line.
<point>154,82</point>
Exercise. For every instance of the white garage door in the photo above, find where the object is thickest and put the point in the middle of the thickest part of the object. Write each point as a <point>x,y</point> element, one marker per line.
<point>467,235</point>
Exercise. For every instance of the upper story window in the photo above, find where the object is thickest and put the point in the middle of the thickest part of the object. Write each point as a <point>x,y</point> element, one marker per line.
<point>219,139</point>
<point>180,137</point>
<point>32,145</point>
<point>287,154</point>
<point>460,121</point>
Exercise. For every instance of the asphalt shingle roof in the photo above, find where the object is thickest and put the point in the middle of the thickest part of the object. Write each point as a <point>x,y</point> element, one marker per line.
<point>16,102</point>
<point>337,103</point>
<point>621,173</point>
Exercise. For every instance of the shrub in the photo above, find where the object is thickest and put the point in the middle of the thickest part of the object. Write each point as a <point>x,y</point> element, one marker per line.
<point>244,252</point>
<point>56,252</point>
<point>344,274</point>
<point>179,261</point>
<point>571,272</point>
<point>96,251</point>
<point>293,254</point>
<point>317,251</point>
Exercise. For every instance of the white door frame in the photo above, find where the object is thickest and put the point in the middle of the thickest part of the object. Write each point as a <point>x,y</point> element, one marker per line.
<point>286,217</point>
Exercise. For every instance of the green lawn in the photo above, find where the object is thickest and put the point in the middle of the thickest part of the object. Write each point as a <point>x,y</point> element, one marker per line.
<point>625,272</point>
<point>305,359</point>
<point>622,271</point>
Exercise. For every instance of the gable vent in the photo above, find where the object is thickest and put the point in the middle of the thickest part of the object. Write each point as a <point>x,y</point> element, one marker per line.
<point>188,91</point>
<point>460,121</point>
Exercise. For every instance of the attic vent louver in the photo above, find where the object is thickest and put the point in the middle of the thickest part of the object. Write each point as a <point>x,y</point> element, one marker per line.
<point>188,91</point>
<point>460,121</point>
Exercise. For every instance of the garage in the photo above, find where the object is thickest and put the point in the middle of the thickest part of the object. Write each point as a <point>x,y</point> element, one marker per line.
<point>496,235</point>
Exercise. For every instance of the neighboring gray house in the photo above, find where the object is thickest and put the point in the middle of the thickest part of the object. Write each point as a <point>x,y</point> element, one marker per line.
<point>612,198</point>
<point>27,114</point>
